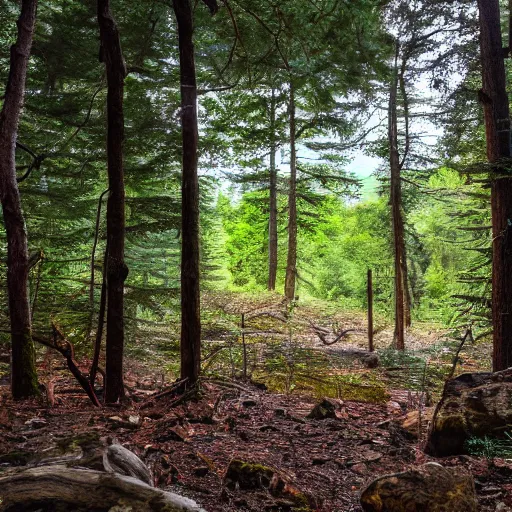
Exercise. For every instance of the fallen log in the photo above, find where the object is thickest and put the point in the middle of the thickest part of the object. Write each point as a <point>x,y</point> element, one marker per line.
<point>118,459</point>
<point>85,489</point>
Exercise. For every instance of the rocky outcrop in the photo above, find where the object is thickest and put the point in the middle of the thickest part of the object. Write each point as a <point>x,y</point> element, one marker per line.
<point>370,360</point>
<point>429,487</point>
<point>249,475</point>
<point>472,405</point>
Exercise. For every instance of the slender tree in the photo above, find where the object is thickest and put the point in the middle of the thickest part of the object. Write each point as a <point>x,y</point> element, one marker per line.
<point>272,217</point>
<point>116,270</point>
<point>23,371</point>
<point>255,135</point>
<point>396,211</point>
<point>497,128</point>
<point>402,248</point>
<point>427,36</point>
<point>291,262</point>
<point>190,291</point>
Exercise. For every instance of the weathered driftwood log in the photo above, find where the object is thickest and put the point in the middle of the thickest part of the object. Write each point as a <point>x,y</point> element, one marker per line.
<point>118,459</point>
<point>85,489</point>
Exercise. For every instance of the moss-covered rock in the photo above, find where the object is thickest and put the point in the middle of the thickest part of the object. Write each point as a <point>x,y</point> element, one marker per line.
<point>254,476</point>
<point>248,475</point>
<point>473,405</point>
<point>429,487</point>
<point>325,409</point>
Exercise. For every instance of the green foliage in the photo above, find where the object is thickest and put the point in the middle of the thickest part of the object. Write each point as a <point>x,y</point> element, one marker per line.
<point>339,241</point>
<point>337,56</point>
<point>356,241</point>
<point>245,225</point>
<point>451,224</point>
<point>64,123</point>
<point>490,447</point>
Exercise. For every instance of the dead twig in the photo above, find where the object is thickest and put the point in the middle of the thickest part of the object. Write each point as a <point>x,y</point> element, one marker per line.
<point>468,334</point>
<point>62,345</point>
<point>321,332</point>
<point>271,314</point>
<point>183,398</point>
<point>228,384</point>
<point>172,389</point>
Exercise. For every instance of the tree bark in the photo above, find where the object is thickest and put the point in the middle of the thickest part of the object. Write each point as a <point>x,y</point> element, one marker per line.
<point>497,127</point>
<point>23,372</point>
<point>396,214</point>
<point>190,291</point>
<point>369,283</point>
<point>291,264</point>
<point>116,267</point>
<point>272,219</point>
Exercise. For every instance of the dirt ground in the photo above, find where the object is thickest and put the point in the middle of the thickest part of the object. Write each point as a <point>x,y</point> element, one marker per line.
<point>188,446</point>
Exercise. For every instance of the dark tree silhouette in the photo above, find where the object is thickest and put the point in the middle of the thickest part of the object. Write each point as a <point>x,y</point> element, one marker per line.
<point>497,127</point>
<point>116,270</point>
<point>23,372</point>
<point>272,218</point>
<point>190,292</point>
<point>396,213</point>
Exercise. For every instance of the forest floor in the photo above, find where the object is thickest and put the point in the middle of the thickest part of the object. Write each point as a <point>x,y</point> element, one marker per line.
<point>189,445</point>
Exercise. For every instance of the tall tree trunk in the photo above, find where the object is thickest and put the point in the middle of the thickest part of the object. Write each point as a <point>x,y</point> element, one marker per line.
<point>497,127</point>
<point>116,267</point>
<point>190,293</point>
<point>272,219</point>
<point>396,214</point>
<point>403,251</point>
<point>291,264</point>
<point>23,372</point>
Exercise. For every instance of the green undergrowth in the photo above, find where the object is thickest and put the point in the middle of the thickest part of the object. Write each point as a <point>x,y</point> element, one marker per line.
<point>4,370</point>
<point>490,447</point>
<point>281,355</point>
<point>413,371</point>
<point>347,386</point>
